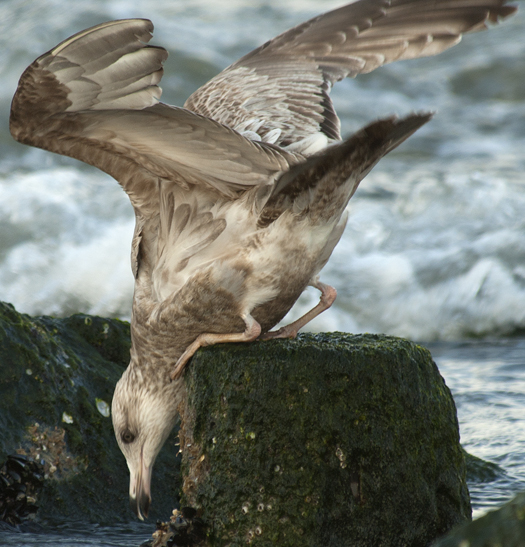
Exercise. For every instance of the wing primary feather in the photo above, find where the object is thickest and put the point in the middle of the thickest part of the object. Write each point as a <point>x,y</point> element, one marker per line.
<point>354,39</point>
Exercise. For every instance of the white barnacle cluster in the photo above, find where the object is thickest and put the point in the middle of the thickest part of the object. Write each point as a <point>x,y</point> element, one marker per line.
<point>261,506</point>
<point>257,531</point>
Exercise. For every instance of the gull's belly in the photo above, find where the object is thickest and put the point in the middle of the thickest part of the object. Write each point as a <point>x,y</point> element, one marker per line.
<point>262,275</point>
<point>283,261</point>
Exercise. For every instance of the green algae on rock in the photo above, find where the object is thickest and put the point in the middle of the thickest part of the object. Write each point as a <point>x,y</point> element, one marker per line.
<point>329,439</point>
<point>481,471</point>
<point>57,378</point>
<point>503,527</point>
<point>325,440</point>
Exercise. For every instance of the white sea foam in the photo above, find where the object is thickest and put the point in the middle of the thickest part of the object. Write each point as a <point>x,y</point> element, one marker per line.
<point>66,243</point>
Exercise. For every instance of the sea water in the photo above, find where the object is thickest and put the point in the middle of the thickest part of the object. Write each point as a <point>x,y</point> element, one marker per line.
<point>434,249</point>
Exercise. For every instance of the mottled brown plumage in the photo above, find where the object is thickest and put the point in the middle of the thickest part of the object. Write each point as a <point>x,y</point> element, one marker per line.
<point>240,196</point>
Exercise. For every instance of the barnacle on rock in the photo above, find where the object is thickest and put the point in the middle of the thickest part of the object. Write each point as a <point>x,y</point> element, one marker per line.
<point>184,528</point>
<point>48,446</point>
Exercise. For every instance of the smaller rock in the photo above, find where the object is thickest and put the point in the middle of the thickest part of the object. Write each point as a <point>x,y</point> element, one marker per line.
<point>57,377</point>
<point>504,527</point>
<point>482,471</point>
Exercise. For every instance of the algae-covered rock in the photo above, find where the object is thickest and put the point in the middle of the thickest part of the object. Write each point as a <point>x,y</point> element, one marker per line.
<point>481,471</point>
<point>330,439</point>
<point>325,440</point>
<point>57,378</point>
<point>502,528</point>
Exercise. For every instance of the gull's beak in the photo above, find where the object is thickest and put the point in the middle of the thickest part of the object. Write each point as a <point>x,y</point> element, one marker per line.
<point>140,489</point>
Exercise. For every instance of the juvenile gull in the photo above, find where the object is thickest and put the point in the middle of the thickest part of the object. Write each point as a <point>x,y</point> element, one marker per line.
<point>240,196</point>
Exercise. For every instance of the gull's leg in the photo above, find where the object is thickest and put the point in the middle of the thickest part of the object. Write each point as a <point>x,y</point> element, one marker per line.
<point>252,331</point>
<point>328,295</point>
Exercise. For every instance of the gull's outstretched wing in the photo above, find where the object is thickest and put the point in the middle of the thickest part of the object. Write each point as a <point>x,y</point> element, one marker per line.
<point>280,91</point>
<point>95,97</point>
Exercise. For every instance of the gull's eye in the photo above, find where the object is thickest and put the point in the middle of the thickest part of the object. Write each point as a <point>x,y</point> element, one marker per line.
<point>127,436</point>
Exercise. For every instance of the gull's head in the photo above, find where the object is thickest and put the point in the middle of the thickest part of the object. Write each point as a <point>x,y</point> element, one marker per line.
<point>144,411</point>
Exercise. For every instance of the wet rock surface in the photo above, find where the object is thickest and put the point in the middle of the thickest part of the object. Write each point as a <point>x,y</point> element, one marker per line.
<point>330,439</point>
<point>57,378</point>
<point>480,471</point>
<point>502,528</point>
<point>305,442</point>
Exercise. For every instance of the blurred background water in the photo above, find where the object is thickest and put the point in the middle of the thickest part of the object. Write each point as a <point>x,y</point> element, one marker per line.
<point>435,245</point>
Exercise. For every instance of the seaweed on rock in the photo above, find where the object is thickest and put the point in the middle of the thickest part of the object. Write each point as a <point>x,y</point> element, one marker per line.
<point>330,439</point>
<point>57,378</point>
